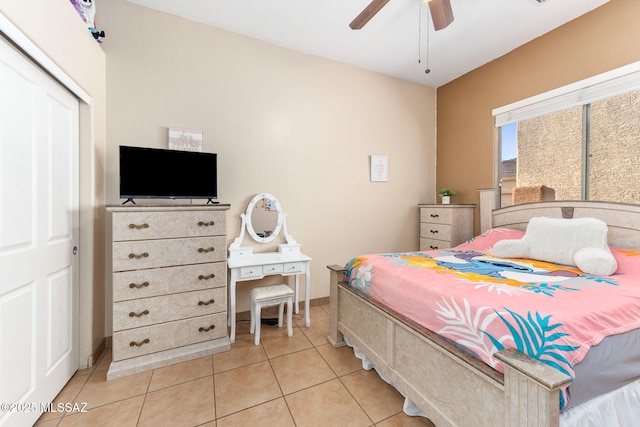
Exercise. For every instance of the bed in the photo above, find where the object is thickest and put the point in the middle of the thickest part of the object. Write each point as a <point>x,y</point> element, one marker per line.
<point>450,383</point>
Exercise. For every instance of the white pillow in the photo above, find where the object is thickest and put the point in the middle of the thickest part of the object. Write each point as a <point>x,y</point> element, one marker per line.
<point>580,242</point>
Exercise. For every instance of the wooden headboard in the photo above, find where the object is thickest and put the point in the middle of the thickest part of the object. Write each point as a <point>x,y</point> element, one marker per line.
<point>622,219</point>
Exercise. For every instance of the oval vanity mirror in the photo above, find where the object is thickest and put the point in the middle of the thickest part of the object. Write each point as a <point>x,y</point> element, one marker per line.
<point>264,218</point>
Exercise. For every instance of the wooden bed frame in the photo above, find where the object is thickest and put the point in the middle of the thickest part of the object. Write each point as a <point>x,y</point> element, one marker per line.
<point>447,384</point>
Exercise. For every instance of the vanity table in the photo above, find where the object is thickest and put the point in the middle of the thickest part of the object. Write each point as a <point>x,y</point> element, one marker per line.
<point>263,221</point>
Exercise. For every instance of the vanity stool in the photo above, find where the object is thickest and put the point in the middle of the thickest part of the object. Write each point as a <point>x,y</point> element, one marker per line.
<point>265,296</point>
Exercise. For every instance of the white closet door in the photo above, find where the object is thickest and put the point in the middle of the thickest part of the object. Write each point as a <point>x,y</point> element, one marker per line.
<point>38,232</point>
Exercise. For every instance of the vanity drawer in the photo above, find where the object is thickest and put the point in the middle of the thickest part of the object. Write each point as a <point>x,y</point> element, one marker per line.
<point>293,267</point>
<point>147,311</point>
<point>160,281</point>
<point>253,271</point>
<point>166,225</point>
<point>134,255</point>
<point>272,269</point>
<point>435,231</point>
<point>151,339</point>
<point>435,215</point>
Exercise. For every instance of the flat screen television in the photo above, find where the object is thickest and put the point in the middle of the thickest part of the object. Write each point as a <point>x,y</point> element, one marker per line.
<point>153,173</point>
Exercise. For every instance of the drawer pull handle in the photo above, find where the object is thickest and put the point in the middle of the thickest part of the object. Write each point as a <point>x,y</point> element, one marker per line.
<point>141,285</point>
<point>433,247</point>
<point>142,313</point>
<point>205,250</point>
<point>434,215</point>
<point>201,329</point>
<point>210,276</point>
<point>434,231</point>
<point>206,224</point>
<point>138,344</point>
<point>211,301</point>
<point>138,227</point>
<point>142,255</point>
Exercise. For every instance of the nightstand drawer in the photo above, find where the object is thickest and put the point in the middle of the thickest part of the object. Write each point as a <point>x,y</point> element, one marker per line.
<point>147,311</point>
<point>165,225</point>
<point>136,255</point>
<point>436,231</point>
<point>433,244</point>
<point>129,285</point>
<point>435,215</point>
<point>151,339</point>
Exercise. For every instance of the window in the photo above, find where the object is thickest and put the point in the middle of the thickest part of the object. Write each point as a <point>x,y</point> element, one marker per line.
<point>581,142</point>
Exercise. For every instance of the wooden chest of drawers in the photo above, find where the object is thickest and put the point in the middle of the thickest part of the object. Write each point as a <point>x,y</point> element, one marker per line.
<point>444,226</point>
<point>169,285</point>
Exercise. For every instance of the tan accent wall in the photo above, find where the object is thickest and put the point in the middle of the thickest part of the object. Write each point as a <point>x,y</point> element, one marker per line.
<point>602,40</point>
<point>294,125</point>
<point>56,28</point>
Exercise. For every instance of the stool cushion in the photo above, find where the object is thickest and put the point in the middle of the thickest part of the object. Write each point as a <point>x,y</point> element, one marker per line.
<point>270,291</point>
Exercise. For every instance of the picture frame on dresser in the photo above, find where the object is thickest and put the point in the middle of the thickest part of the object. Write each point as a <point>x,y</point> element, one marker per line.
<point>169,274</point>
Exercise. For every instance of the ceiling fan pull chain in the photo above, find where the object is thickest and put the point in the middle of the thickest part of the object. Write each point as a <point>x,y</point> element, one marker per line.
<point>419,32</point>
<point>428,70</point>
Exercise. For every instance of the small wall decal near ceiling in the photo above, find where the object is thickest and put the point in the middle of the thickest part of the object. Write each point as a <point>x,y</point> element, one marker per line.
<point>87,11</point>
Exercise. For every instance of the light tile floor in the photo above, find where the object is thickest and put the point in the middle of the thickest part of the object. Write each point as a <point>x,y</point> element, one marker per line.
<point>297,381</point>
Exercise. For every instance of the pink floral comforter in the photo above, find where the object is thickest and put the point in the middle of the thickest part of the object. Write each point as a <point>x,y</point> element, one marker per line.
<point>553,313</point>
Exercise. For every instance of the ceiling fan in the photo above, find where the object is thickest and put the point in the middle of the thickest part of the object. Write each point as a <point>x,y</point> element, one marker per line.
<point>441,13</point>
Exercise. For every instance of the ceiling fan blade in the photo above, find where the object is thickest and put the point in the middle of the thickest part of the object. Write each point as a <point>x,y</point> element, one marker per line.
<point>368,13</point>
<point>441,13</point>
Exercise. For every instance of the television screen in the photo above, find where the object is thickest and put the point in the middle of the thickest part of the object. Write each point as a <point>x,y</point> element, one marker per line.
<point>154,173</point>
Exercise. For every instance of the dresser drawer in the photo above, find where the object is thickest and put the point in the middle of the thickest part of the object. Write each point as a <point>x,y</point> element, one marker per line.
<point>147,311</point>
<point>166,225</point>
<point>435,215</point>
<point>151,339</point>
<point>160,281</point>
<point>134,255</point>
<point>435,231</point>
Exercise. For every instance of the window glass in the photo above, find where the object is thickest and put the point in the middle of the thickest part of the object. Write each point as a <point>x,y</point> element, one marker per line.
<point>614,149</point>
<point>508,164</point>
<point>550,153</point>
<point>587,152</point>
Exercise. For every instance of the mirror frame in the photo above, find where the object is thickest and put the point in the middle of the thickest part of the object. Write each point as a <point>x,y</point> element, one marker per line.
<point>249,223</point>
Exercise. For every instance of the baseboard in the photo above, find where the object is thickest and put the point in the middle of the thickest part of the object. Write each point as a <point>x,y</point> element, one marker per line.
<point>98,352</point>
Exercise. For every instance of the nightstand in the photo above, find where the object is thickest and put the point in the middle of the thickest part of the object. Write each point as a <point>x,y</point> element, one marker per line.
<point>445,226</point>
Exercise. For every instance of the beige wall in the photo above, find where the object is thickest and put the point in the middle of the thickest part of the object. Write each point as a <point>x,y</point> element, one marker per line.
<point>599,41</point>
<point>294,125</point>
<point>58,31</point>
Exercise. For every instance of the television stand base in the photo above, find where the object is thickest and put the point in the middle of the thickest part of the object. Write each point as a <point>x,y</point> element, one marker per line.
<point>213,202</point>
<point>128,200</point>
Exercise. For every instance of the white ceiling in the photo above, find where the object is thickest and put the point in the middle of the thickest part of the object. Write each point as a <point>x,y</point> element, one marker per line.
<point>392,42</point>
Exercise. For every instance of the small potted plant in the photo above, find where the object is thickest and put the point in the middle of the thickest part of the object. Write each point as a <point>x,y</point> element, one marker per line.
<point>446,194</point>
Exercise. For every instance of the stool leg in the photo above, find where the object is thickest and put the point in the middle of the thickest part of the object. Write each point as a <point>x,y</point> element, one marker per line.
<point>257,323</point>
<point>289,310</point>
<point>280,313</point>
<point>252,326</point>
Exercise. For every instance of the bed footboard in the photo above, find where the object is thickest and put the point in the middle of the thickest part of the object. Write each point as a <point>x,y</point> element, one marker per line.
<point>450,386</point>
